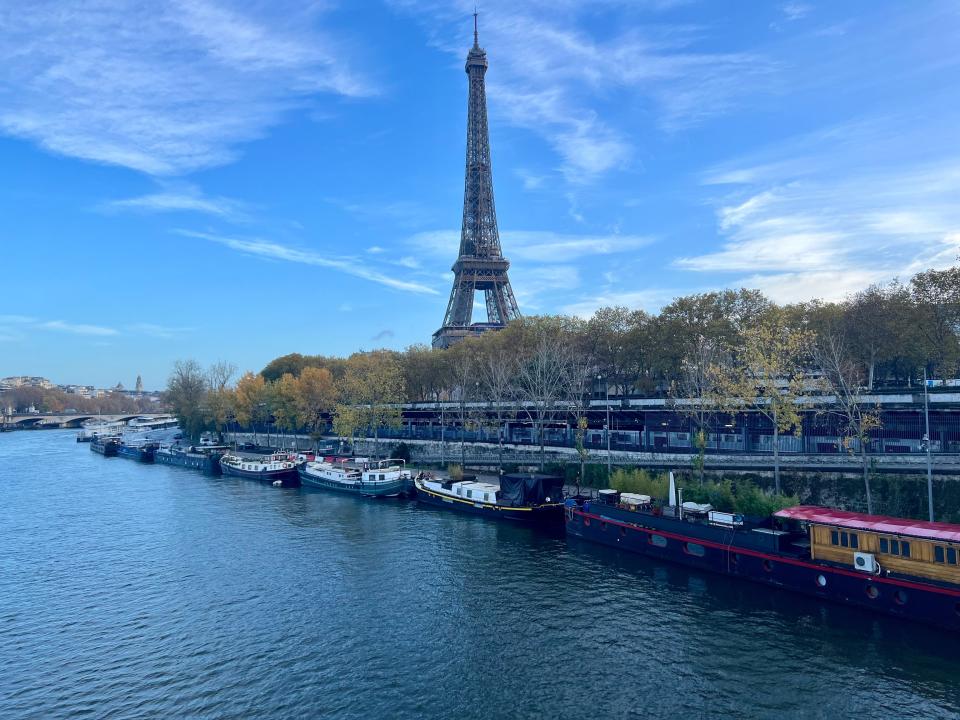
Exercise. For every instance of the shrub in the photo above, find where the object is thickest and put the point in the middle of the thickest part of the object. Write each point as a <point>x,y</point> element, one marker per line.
<point>401,452</point>
<point>455,472</point>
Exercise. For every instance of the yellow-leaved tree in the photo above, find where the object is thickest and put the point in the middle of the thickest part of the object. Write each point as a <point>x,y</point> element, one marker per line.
<point>373,391</point>
<point>316,397</point>
<point>250,401</point>
<point>767,375</point>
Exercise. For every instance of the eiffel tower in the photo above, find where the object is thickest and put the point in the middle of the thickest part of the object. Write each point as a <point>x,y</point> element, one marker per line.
<point>481,265</point>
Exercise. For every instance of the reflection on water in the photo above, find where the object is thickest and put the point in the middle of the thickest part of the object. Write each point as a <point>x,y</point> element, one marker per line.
<point>153,591</point>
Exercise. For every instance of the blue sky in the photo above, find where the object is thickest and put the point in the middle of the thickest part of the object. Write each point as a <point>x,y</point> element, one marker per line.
<point>241,180</point>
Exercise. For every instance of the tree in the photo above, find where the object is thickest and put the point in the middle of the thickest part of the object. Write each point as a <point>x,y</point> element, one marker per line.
<point>937,297</point>
<point>373,384</point>
<point>465,386</point>
<point>544,372</point>
<point>186,394</point>
<point>251,401</point>
<point>697,394</point>
<point>284,396</point>
<point>842,378</point>
<point>220,398</point>
<point>347,419</point>
<point>768,376</point>
<point>316,397</point>
<point>496,369</point>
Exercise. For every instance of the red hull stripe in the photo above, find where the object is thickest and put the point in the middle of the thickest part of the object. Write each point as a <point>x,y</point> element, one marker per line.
<point>776,558</point>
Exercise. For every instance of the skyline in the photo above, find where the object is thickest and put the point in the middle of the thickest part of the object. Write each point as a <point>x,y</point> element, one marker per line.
<point>240,184</point>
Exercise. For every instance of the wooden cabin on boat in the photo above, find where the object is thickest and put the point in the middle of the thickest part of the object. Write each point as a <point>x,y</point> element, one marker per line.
<point>875,543</point>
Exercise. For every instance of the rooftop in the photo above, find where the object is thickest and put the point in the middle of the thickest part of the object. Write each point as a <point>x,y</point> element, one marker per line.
<point>875,523</point>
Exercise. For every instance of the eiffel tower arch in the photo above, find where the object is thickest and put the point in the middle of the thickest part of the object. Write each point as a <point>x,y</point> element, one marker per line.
<point>480,266</point>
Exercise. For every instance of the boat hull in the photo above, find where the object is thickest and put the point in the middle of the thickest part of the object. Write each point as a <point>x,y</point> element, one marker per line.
<point>140,454</point>
<point>908,599</point>
<point>209,464</point>
<point>106,448</point>
<point>546,515</point>
<point>380,489</point>
<point>288,477</point>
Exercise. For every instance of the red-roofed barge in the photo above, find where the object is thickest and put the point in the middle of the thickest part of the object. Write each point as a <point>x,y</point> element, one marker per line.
<point>906,568</point>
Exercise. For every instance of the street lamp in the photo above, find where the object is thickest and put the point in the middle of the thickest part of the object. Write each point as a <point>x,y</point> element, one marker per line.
<point>926,440</point>
<point>606,427</point>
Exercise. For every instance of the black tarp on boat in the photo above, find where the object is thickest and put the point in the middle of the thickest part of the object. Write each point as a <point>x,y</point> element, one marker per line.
<point>524,489</point>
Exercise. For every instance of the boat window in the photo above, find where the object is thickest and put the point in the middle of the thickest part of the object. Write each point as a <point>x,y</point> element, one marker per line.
<point>486,497</point>
<point>938,554</point>
<point>854,541</point>
<point>872,592</point>
<point>834,537</point>
<point>603,526</point>
<point>884,546</point>
<point>694,549</point>
<point>469,493</point>
<point>900,597</point>
<point>952,556</point>
<point>894,547</point>
<point>843,540</point>
<point>821,581</point>
<point>623,531</point>
<point>658,540</point>
<point>905,548</point>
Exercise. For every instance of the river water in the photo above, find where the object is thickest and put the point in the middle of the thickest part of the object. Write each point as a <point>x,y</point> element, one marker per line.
<point>145,591</point>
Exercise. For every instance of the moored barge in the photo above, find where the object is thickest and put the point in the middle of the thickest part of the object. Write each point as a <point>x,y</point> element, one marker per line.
<point>536,499</point>
<point>141,453</point>
<point>106,446</point>
<point>378,478</point>
<point>275,468</point>
<point>205,458</point>
<point>906,568</point>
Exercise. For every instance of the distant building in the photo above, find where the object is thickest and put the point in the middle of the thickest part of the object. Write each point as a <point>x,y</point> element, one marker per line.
<point>139,386</point>
<point>9,383</point>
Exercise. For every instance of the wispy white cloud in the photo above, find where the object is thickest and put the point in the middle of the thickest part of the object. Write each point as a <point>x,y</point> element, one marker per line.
<point>552,75</point>
<point>164,88</point>
<point>793,11</point>
<point>78,328</point>
<point>259,247</point>
<point>651,300</point>
<point>530,180</point>
<point>183,200</point>
<point>407,214</point>
<point>159,331</point>
<point>797,223</point>
<point>537,287</point>
<point>534,245</point>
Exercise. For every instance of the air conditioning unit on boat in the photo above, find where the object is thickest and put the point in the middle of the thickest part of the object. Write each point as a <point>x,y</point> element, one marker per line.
<point>865,562</point>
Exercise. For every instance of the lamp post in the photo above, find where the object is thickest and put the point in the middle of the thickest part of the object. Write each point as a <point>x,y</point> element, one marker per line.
<point>606,427</point>
<point>443,442</point>
<point>926,439</point>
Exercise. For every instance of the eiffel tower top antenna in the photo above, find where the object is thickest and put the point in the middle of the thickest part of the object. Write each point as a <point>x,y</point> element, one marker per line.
<point>476,42</point>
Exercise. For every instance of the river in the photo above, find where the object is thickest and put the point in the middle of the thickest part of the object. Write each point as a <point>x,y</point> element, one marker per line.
<point>147,591</point>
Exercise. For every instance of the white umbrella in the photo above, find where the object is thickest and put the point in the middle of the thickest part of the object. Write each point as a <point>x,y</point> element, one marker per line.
<point>673,492</point>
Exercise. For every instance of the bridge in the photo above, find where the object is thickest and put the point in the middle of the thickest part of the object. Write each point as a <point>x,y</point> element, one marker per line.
<point>46,421</point>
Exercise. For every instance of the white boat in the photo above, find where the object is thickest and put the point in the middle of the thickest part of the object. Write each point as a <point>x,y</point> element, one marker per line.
<point>378,478</point>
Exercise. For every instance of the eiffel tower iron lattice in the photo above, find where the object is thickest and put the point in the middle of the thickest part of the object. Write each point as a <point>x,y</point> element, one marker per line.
<point>480,265</point>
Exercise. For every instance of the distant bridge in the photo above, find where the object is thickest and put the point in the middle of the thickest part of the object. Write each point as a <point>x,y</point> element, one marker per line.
<point>44,422</point>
